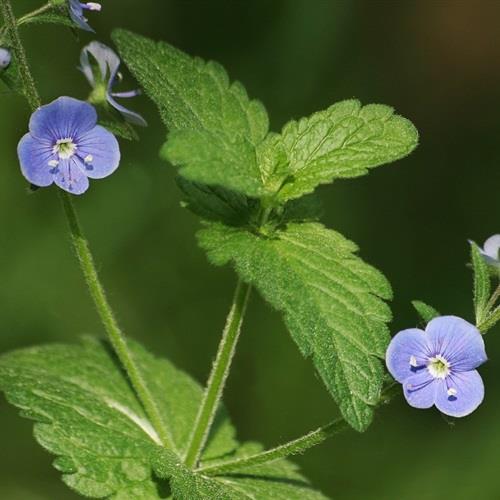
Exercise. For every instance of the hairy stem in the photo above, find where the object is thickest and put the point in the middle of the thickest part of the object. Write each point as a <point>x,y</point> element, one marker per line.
<point>218,376</point>
<point>28,17</point>
<point>85,258</point>
<point>296,446</point>
<point>30,90</point>
<point>114,332</point>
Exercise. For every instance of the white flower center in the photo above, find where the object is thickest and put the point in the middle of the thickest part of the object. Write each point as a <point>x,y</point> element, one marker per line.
<point>65,148</point>
<point>438,367</point>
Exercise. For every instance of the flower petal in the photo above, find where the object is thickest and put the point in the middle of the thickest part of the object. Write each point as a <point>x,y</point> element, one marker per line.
<point>70,177</point>
<point>34,156</point>
<point>420,390</point>
<point>459,342</point>
<point>405,345</point>
<point>130,116</point>
<point>492,247</point>
<point>76,13</point>
<point>106,59</point>
<point>99,151</point>
<point>5,58</point>
<point>460,394</point>
<point>63,118</point>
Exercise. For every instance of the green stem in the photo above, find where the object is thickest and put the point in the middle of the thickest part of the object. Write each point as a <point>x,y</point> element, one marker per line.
<point>85,258</point>
<point>218,376</point>
<point>30,90</point>
<point>114,332</point>
<point>27,17</point>
<point>296,446</point>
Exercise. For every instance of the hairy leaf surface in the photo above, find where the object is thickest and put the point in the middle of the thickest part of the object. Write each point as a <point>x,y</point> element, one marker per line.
<point>86,413</point>
<point>214,127</point>
<point>482,284</point>
<point>330,298</point>
<point>343,141</point>
<point>277,480</point>
<point>425,311</point>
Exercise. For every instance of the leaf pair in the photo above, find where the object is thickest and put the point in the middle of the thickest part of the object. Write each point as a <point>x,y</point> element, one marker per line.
<point>248,185</point>
<point>87,414</point>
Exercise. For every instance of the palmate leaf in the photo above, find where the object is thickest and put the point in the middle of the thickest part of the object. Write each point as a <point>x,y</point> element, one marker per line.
<point>87,414</point>
<point>330,298</point>
<point>214,127</point>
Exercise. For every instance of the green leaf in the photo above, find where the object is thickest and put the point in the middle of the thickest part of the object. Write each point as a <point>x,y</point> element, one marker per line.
<point>214,127</point>
<point>216,204</point>
<point>330,299</point>
<point>482,284</point>
<point>425,311</point>
<point>120,128</point>
<point>59,18</point>
<point>277,480</point>
<point>341,142</point>
<point>86,413</point>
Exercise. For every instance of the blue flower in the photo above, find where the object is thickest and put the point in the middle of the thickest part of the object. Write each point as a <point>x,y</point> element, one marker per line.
<point>105,78</point>
<point>437,366</point>
<point>491,250</point>
<point>64,145</point>
<point>76,9</point>
<point>5,58</point>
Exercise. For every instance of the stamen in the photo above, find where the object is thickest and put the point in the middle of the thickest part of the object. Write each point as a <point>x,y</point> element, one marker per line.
<point>452,391</point>
<point>438,367</point>
<point>53,163</point>
<point>413,361</point>
<point>64,148</point>
<point>88,159</point>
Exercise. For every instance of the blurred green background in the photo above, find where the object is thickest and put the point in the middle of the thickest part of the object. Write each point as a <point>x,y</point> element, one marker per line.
<point>438,63</point>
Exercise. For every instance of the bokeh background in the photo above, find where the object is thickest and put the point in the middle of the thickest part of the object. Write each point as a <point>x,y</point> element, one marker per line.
<point>438,63</point>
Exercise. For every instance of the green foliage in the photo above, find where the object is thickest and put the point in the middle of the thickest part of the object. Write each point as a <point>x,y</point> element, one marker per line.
<point>218,136</point>
<point>343,141</point>
<point>425,311</point>
<point>252,183</point>
<point>482,284</point>
<point>214,126</point>
<point>58,16</point>
<point>330,299</point>
<point>86,413</point>
<point>277,480</point>
<point>216,203</point>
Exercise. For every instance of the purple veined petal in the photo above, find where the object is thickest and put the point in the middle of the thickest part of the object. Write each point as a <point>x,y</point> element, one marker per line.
<point>420,390</point>
<point>63,118</point>
<point>76,13</point>
<point>99,152</point>
<point>34,157</point>
<point>70,177</point>
<point>458,341</point>
<point>460,393</point>
<point>491,247</point>
<point>407,353</point>
<point>130,116</point>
